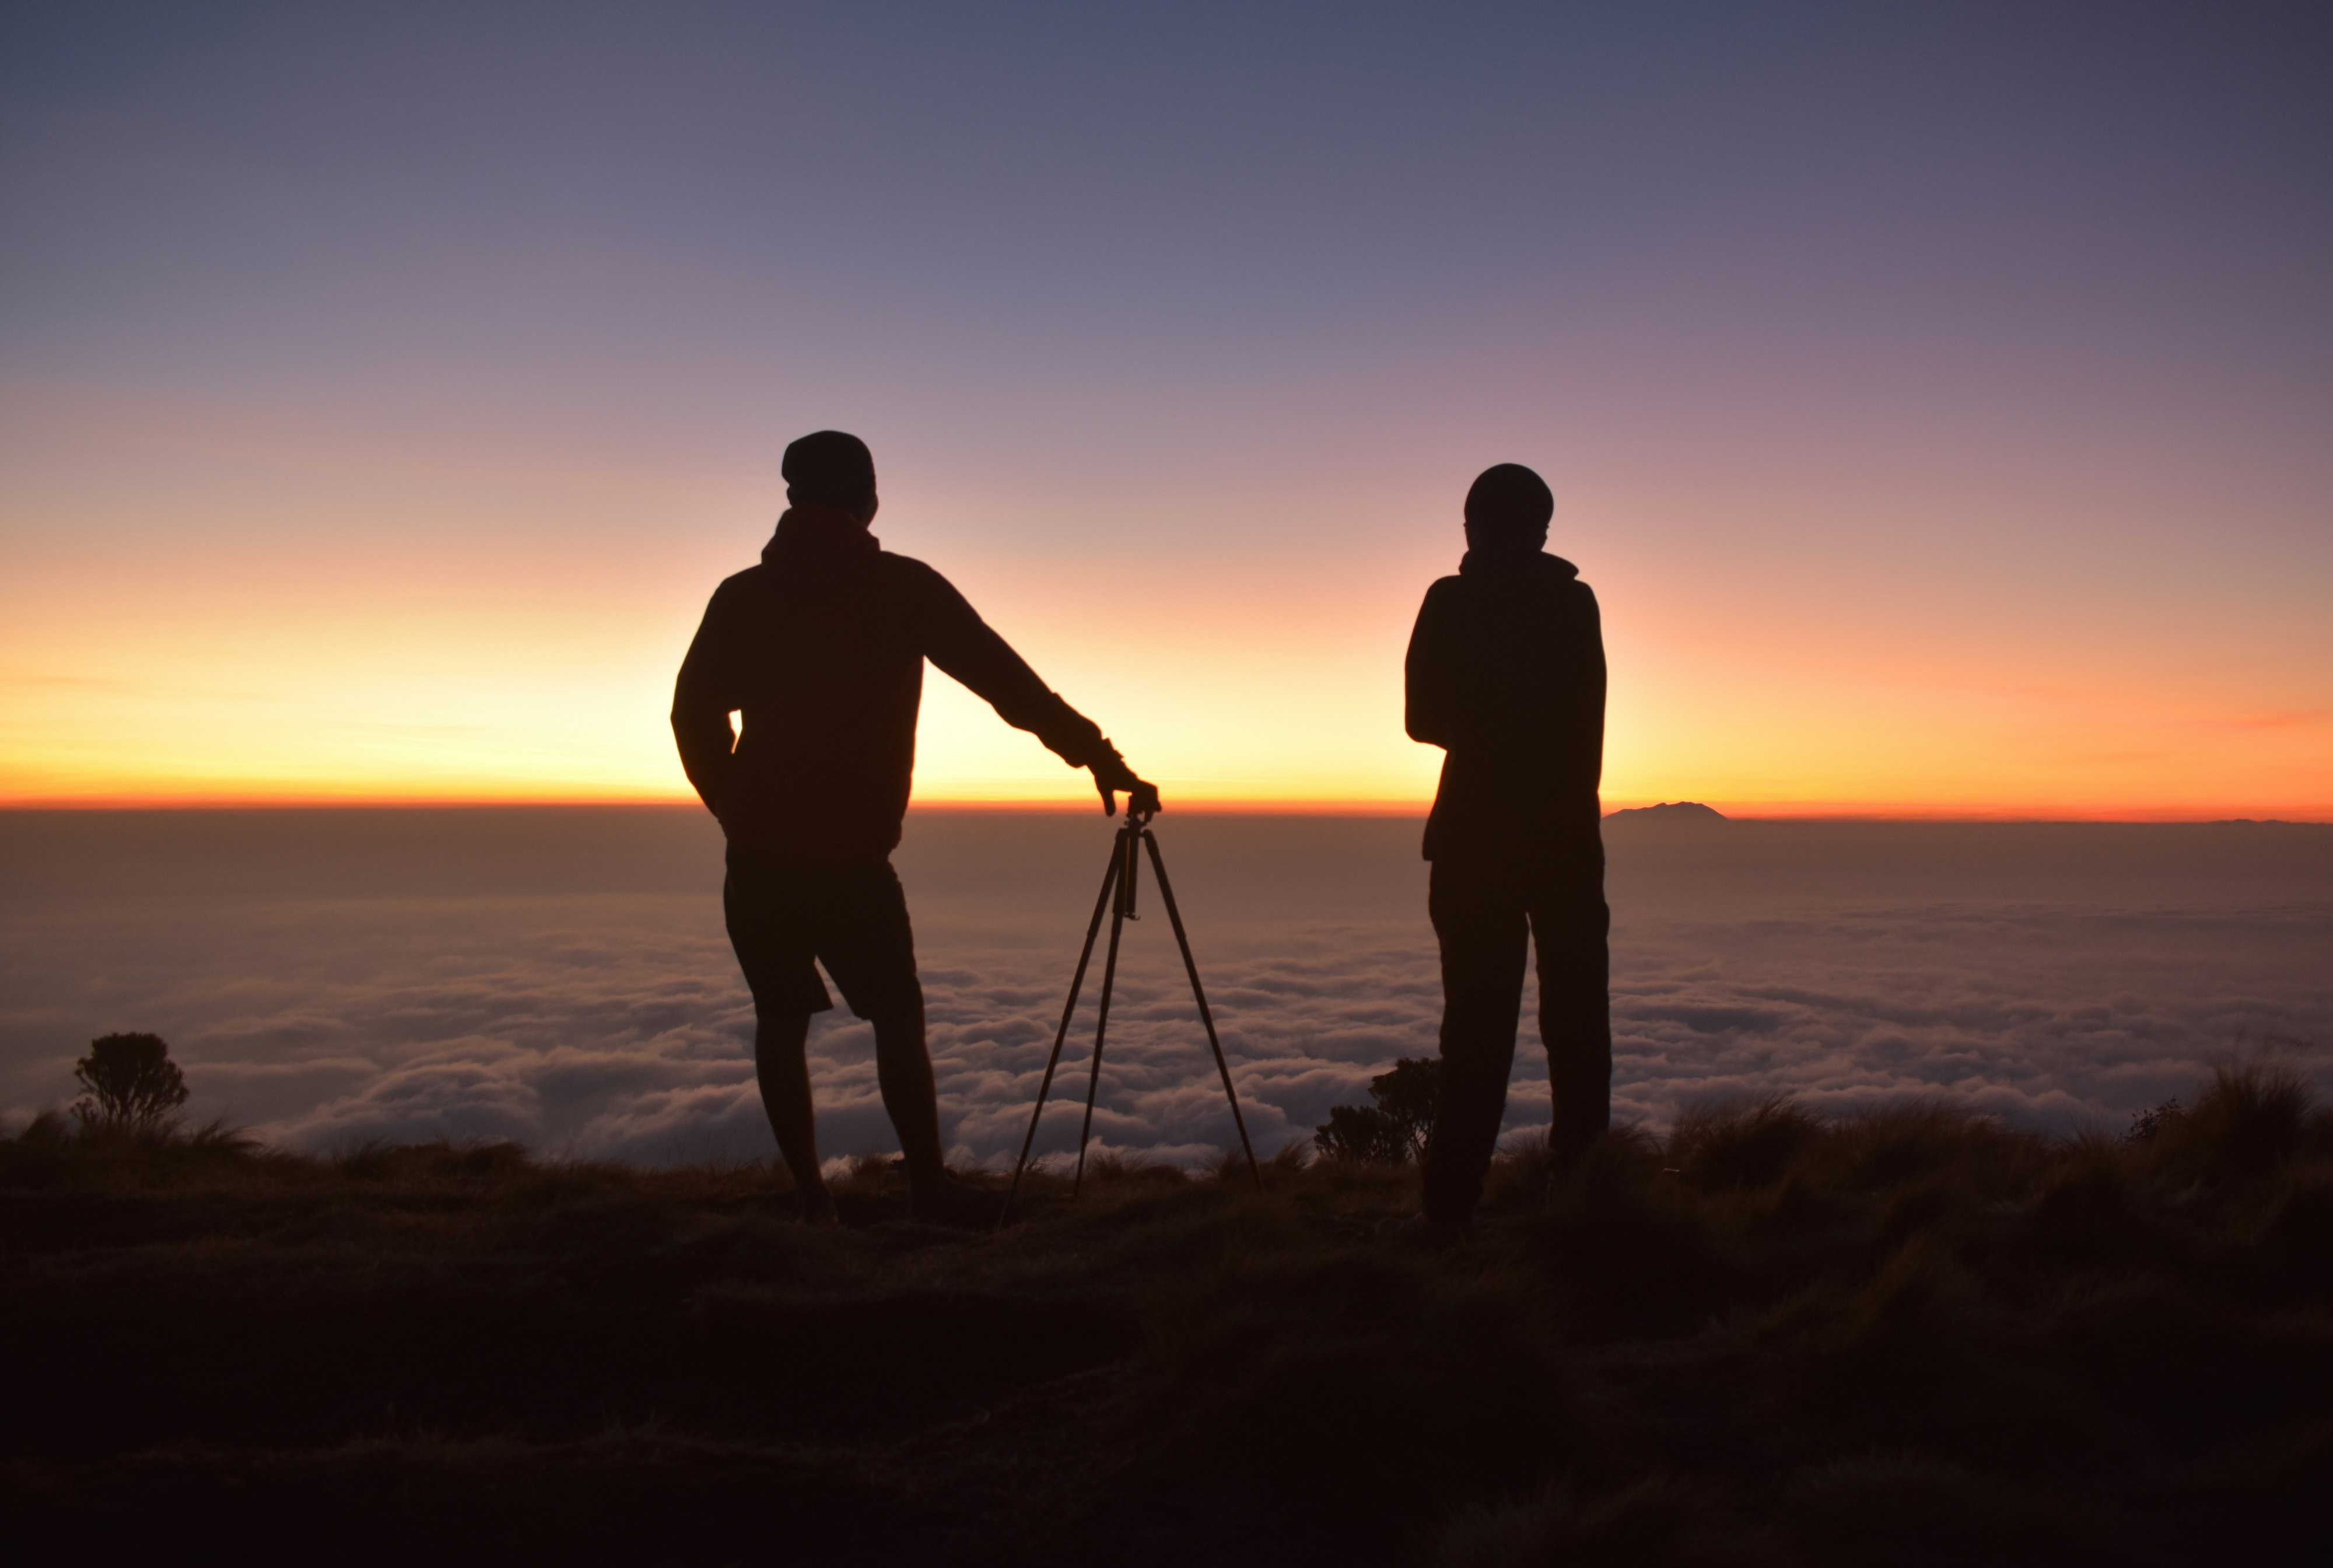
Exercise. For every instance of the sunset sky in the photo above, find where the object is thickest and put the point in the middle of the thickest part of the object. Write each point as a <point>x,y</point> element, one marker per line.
<point>1939,398</point>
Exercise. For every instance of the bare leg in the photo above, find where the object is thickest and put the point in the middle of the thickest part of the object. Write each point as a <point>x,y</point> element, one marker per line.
<point>903,1067</point>
<point>782,1066</point>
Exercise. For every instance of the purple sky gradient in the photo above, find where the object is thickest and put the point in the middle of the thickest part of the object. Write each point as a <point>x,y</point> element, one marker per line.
<point>1948,384</point>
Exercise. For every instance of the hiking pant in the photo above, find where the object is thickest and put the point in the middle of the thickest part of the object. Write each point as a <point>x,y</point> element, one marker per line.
<point>1484,913</point>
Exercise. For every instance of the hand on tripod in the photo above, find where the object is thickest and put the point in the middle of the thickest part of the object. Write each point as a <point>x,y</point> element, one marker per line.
<point>1113,775</point>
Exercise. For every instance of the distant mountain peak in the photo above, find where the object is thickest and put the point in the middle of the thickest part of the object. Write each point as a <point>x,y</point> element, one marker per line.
<point>1672,812</point>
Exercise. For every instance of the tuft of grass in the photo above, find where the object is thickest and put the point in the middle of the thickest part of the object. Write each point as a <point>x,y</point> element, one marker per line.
<point>2252,1119</point>
<point>1741,1144</point>
<point>1890,1146</point>
<point>1115,1168</point>
<point>441,1160</point>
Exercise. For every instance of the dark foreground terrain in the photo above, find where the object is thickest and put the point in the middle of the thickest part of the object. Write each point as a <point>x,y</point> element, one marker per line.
<point>1909,1337</point>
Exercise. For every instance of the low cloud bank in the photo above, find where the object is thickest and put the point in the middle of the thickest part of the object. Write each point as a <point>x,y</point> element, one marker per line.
<point>612,1023</point>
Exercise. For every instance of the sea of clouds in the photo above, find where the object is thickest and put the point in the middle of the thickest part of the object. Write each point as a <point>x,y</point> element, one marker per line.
<point>560,977</point>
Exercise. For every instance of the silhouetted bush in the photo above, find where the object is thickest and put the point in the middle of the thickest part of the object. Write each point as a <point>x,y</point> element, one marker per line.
<point>129,1081</point>
<point>1361,1133</point>
<point>2147,1125</point>
<point>1392,1132</point>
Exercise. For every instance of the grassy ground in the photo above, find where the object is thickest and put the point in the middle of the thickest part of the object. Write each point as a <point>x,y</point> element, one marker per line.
<point>1906,1337</point>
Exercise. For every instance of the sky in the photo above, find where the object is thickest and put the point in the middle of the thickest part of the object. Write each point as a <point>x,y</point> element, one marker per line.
<point>1939,398</point>
<point>560,977</point>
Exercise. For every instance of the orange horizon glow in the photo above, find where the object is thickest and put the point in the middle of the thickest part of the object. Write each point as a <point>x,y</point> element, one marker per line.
<point>450,671</point>
<point>249,659</point>
<point>1757,811</point>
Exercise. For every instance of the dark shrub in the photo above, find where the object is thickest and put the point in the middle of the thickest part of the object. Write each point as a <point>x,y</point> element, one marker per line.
<point>38,1158</point>
<point>1363,1133</point>
<point>129,1081</point>
<point>1394,1131</point>
<point>2146,1126</point>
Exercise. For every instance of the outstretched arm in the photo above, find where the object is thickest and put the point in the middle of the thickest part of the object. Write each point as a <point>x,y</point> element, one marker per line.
<point>701,701</point>
<point>965,646</point>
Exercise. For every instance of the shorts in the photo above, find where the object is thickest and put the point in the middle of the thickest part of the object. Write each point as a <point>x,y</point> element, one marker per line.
<point>787,915</point>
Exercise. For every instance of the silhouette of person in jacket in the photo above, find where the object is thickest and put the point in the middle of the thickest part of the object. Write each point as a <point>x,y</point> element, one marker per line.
<point>820,649</point>
<point>1505,673</point>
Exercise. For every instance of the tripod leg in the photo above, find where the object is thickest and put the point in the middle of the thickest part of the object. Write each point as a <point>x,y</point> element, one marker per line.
<point>1101,1016</point>
<point>1199,995</point>
<point>1069,1010</point>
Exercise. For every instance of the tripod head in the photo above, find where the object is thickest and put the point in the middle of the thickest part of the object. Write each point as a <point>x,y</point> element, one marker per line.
<point>1141,800</point>
<point>1112,776</point>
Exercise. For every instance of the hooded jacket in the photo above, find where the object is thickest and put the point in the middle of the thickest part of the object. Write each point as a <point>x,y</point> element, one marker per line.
<point>1505,673</point>
<point>822,649</point>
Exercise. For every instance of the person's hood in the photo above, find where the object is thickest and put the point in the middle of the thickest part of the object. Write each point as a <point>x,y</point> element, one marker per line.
<point>814,540</point>
<point>1534,566</point>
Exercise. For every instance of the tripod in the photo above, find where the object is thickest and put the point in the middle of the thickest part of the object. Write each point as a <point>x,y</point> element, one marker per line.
<point>1117,890</point>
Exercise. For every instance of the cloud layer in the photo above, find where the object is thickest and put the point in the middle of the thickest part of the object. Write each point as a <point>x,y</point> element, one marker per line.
<point>612,1022</point>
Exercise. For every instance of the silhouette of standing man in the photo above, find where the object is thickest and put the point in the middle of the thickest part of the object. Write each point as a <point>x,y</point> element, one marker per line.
<point>1505,673</point>
<point>822,649</point>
